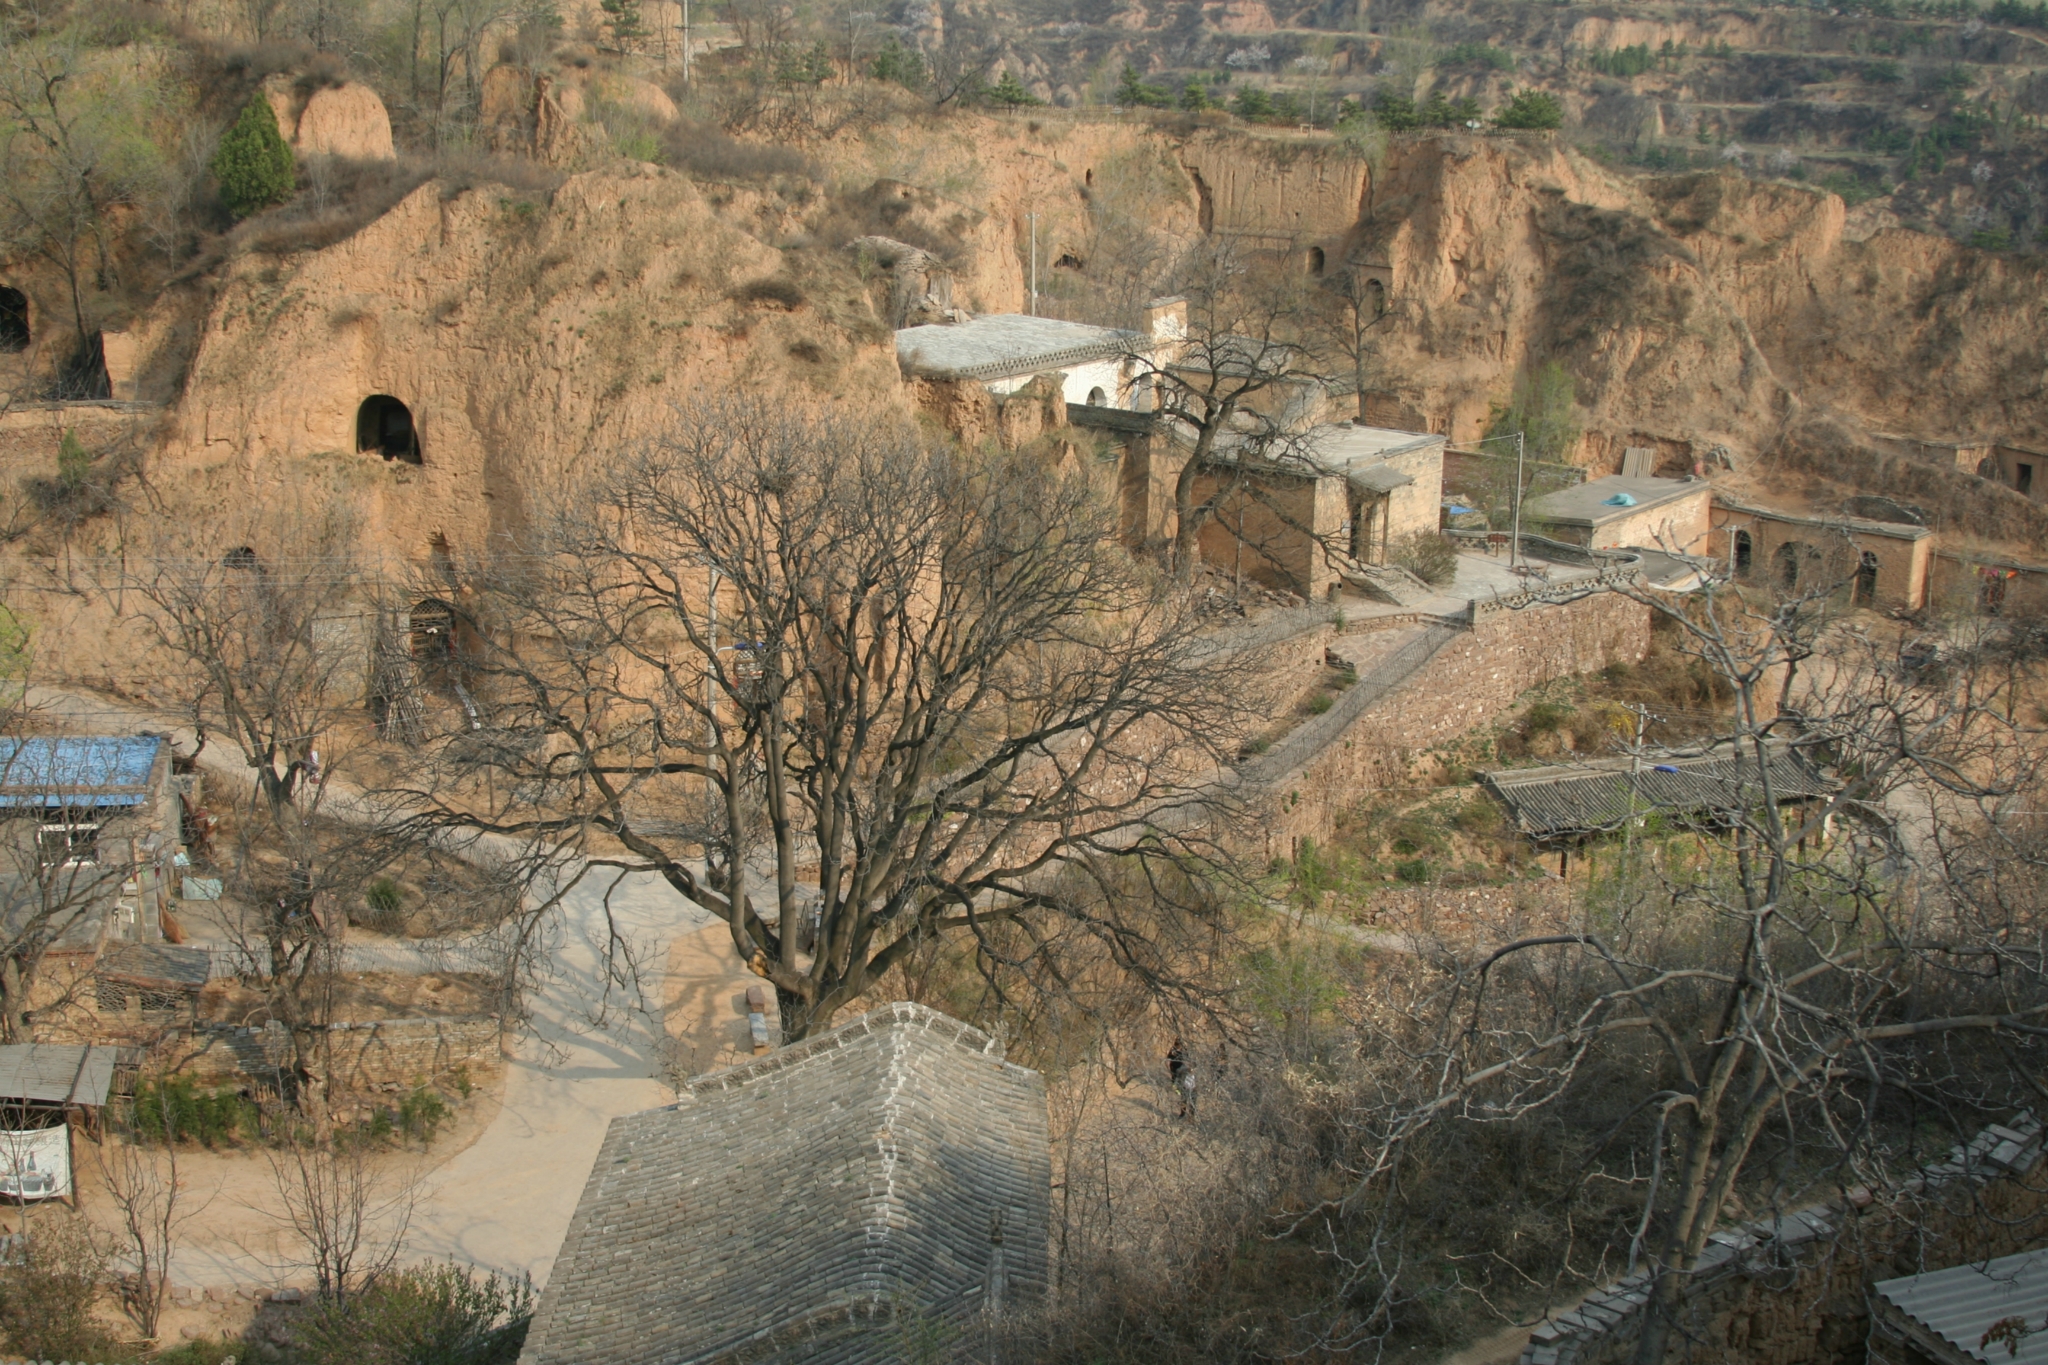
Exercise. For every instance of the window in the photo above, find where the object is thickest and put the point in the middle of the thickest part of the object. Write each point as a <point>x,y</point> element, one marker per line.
<point>1097,398</point>
<point>1745,550</point>
<point>2023,479</point>
<point>1866,580</point>
<point>1317,262</point>
<point>13,319</point>
<point>69,844</point>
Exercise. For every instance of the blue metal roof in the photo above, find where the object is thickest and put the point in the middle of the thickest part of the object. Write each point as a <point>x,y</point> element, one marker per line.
<point>77,770</point>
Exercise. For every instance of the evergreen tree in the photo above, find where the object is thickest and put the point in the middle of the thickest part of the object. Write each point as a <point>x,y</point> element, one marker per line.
<point>1011,92</point>
<point>622,17</point>
<point>1530,109</point>
<point>254,167</point>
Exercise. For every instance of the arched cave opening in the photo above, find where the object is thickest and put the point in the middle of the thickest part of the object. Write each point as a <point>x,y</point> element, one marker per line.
<point>14,335</point>
<point>1097,398</point>
<point>1067,261</point>
<point>1788,564</point>
<point>1316,260</point>
<point>385,425</point>
<point>244,558</point>
<point>1745,552</point>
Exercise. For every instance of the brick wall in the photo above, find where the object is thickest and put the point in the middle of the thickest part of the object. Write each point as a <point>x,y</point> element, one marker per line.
<point>1467,682</point>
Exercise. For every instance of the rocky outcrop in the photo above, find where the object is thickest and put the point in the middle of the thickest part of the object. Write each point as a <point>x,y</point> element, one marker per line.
<point>346,120</point>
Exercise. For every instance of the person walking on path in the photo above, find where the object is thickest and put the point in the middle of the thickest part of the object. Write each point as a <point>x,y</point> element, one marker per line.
<point>1183,1072</point>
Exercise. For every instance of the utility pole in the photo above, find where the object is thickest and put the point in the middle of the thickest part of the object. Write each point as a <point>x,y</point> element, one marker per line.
<point>1515,541</point>
<point>1033,310</point>
<point>686,43</point>
<point>1635,768</point>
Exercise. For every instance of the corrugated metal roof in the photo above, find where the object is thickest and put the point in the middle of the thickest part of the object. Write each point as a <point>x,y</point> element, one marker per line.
<point>159,963</point>
<point>1959,1303</point>
<point>56,1073</point>
<point>1602,794</point>
<point>77,770</point>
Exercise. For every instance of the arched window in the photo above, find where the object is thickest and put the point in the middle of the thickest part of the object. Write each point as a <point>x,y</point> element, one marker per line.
<point>1375,298</point>
<point>1787,559</point>
<point>1097,398</point>
<point>385,425</point>
<point>1316,260</point>
<point>1745,553</point>
<point>1067,261</point>
<point>1866,580</point>
<point>13,319</point>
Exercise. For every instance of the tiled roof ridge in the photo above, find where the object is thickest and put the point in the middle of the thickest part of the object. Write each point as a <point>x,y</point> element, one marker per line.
<point>1615,1310</point>
<point>898,1016</point>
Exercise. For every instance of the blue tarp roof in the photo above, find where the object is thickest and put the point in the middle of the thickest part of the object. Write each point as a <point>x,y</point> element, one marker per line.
<point>77,770</point>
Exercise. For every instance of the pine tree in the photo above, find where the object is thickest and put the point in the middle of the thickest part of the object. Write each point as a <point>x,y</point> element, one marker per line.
<point>254,167</point>
<point>622,17</point>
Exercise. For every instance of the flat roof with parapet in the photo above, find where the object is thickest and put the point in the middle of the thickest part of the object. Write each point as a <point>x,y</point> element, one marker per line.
<point>1587,504</point>
<point>1001,345</point>
<point>1342,444</point>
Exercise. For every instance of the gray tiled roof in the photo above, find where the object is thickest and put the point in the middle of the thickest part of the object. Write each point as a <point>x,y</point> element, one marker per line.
<point>999,345</point>
<point>159,964</point>
<point>787,1209</point>
<point>1959,1303</point>
<point>1580,798</point>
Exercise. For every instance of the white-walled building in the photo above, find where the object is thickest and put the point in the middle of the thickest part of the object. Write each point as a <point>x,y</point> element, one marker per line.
<point>1103,367</point>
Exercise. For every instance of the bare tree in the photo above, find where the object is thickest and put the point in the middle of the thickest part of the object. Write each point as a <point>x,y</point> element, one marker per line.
<point>821,648</point>
<point>1231,382</point>
<point>266,648</point>
<point>139,1176</point>
<point>1353,308</point>
<point>348,1212</point>
<point>1782,1015</point>
<point>79,154</point>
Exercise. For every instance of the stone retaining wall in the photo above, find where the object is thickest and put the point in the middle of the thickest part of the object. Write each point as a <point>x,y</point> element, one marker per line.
<point>1794,1290</point>
<point>370,1056</point>
<point>1469,679</point>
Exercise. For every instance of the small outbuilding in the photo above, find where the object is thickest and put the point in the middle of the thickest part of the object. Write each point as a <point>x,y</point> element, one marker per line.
<point>1947,1317</point>
<point>814,1204</point>
<point>1569,801</point>
<point>1615,512</point>
<point>43,1088</point>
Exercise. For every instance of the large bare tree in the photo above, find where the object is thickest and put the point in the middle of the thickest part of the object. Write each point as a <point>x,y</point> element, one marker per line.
<point>853,691</point>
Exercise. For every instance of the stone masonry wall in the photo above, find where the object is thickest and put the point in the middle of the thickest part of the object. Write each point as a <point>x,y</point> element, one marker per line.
<point>1794,1289</point>
<point>370,1056</point>
<point>1468,681</point>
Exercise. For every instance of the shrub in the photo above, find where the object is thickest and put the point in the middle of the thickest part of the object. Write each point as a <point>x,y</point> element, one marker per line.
<point>175,1108</point>
<point>1319,703</point>
<point>1009,92</point>
<point>47,1294</point>
<point>1543,407</point>
<point>1252,104</point>
<point>1477,54</point>
<point>1546,716</point>
<point>222,1351</point>
<point>420,1113</point>
<point>1884,72</point>
<point>707,153</point>
<point>1429,556</point>
<point>254,166</point>
<point>430,1315</point>
<point>1623,61</point>
<point>385,900</point>
<point>1530,109</point>
<point>1413,871</point>
<point>1991,239</point>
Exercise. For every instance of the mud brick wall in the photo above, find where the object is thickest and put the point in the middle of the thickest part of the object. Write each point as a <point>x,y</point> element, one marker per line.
<point>369,1056</point>
<point>1466,683</point>
<point>1794,1290</point>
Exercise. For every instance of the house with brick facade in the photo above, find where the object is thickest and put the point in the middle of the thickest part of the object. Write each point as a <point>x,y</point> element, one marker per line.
<point>815,1204</point>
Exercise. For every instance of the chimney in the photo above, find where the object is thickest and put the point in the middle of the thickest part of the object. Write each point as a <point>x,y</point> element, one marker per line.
<point>1167,319</point>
